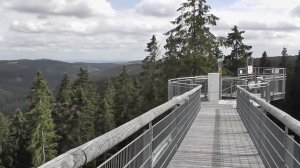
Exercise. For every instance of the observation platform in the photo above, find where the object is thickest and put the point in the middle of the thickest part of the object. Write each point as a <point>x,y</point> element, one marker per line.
<point>217,138</point>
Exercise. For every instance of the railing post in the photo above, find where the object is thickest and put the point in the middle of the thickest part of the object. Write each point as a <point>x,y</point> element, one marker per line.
<point>178,88</point>
<point>274,70</point>
<point>170,90</point>
<point>231,88</point>
<point>268,94</point>
<point>284,80</point>
<point>150,145</point>
<point>288,147</point>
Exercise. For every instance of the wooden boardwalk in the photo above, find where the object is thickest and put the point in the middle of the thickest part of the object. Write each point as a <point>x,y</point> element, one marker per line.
<point>217,138</point>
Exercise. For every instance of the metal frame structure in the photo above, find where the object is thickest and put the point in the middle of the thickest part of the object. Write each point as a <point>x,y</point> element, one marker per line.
<point>272,79</point>
<point>276,147</point>
<point>179,86</point>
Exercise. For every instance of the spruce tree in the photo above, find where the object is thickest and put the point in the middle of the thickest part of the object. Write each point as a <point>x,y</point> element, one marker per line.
<point>20,138</point>
<point>125,98</point>
<point>43,138</point>
<point>150,76</point>
<point>264,62</point>
<point>64,116</point>
<point>192,40</point>
<point>106,116</point>
<point>283,61</point>
<point>5,159</point>
<point>239,53</point>
<point>137,104</point>
<point>85,100</point>
<point>171,60</point>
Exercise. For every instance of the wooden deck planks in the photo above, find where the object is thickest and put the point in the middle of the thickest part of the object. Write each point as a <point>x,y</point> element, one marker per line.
<point>217,138</point>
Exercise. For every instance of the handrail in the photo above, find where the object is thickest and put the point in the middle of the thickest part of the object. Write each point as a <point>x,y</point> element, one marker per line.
<point>283,117</point>
<point>89,151</point>
<point>175,85</point>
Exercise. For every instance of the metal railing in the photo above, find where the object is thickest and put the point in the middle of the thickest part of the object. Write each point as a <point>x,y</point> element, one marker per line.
<point>179,86</point>
<point>276,147</point>
<point>229,86</point>
<point>275,77</point>
<point>154,147</point>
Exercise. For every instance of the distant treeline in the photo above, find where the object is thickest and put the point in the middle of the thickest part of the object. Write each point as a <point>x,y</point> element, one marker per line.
<point>291,103</point>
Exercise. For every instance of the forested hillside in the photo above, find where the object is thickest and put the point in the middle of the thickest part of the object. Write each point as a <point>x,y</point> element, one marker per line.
<point>17,75</point>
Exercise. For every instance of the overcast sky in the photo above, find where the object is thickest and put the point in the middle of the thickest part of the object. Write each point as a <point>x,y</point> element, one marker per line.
<point>118,30</point>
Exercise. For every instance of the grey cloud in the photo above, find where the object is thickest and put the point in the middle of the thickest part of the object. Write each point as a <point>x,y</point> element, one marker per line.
<point>47,34</point>
<point>262,35</point>
<point>258,26</point>
<point>104,26</point>
<point>279,26</point>
<point>106,47</point>
<point>156,8</point>
<point>296,11</point>
<point>76,8</point>
<point>74,28</point>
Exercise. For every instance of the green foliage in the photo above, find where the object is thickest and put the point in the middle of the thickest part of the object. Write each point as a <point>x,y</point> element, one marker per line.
<point>294,89</point>
<point>43,138</point>
<point>264,62</point>
<point>283,61</point>
<point>106,117</point>
<point>239,53</point>
<point>85,100</point>
<point>63,116</point>
<point>127,106</point>
<point>150,77</point>
<point>5,159</point>
<point>19,138</point>
<point>190,45</point>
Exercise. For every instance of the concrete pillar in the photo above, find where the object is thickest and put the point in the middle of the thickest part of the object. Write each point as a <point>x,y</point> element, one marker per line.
<point>213,87</point>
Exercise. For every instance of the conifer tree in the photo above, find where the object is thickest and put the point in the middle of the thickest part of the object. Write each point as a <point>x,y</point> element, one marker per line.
<point>64,115</point>
<point>43,138</point>
<point>264,62</point>
<point>150,80</point>
<point>192,40</point>
<point>5,160</point>
<point>85,101</point>
<point>137,104</point>
<point>106,118</point>
<point>125,98</point>
<point>171,60</point>
<point>239,53</point>
<point>19,139</point>
<point>283,61</point>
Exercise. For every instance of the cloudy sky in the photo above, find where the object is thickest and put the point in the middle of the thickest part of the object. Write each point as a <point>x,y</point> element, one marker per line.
<point>118,30</point>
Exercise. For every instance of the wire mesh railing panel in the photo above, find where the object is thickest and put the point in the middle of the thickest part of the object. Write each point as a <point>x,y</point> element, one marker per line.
<point>137,149</point>
<point>276,147</point>
<point>140,158</point>
<point>183,121</point>
<point>179,86</point>
<point>293,152</point>
<point>165,132</point>
<point>157,145</point>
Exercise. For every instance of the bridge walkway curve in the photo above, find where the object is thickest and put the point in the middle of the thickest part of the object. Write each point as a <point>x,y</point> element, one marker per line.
<point>217,138</point>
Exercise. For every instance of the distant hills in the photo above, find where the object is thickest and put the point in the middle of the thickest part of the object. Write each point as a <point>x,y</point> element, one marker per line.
<point>16,77</point>
<point>274,61</point>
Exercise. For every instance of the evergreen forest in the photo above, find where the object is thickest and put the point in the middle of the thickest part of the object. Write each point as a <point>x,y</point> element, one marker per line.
<point>57,121</point>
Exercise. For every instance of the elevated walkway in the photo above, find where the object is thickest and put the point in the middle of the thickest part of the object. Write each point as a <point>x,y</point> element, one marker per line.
<point>217,138</point>
<point>188,132</point>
